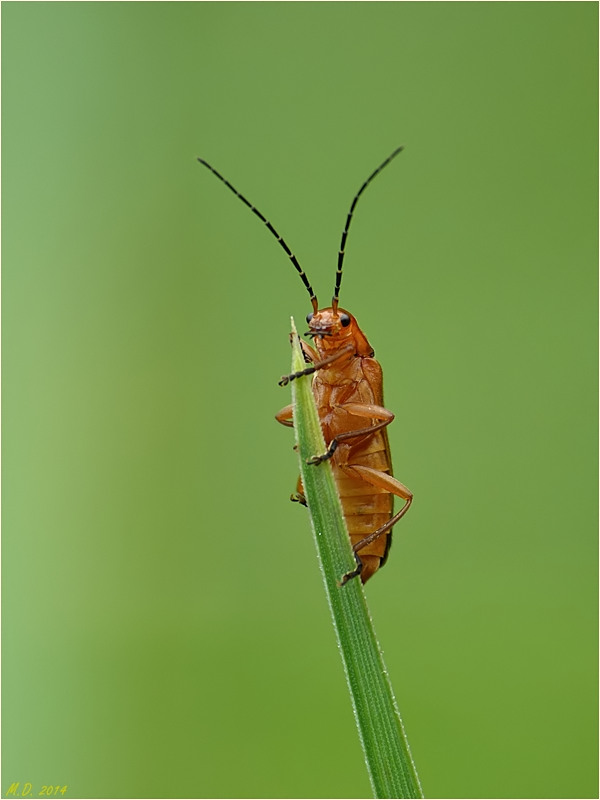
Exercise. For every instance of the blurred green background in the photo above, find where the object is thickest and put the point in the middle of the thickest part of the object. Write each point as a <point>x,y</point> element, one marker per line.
<point>165,632</point>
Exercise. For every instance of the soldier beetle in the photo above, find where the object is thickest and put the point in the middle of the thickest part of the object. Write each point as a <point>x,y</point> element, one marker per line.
<point>348,390</point>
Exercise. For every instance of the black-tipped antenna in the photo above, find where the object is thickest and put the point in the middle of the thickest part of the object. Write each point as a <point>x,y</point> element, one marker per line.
<point>338,274</point>
<point>281,241</point>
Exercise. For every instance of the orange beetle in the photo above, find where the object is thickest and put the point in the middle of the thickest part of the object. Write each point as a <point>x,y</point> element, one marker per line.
<point>348,390</point>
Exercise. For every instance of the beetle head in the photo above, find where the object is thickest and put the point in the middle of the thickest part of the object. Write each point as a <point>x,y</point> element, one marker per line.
<point>333,327</point>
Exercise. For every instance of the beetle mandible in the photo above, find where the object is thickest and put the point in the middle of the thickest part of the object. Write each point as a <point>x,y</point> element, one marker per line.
<point>348,390</point>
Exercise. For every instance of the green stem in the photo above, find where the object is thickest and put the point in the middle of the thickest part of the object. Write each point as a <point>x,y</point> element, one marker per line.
<point>390,766</point>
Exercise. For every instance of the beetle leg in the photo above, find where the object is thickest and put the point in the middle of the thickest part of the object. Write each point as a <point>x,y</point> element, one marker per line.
<point>382,481</point>
<point>349,435</point>
<point>317,365</point>
<point>368,410</point>
<point>353,573</point>
<point>285,416</point>
<point>310,355</point>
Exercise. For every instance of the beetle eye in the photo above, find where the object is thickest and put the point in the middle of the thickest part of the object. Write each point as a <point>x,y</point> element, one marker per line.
<point>309,317</point>
<point>345,320</point>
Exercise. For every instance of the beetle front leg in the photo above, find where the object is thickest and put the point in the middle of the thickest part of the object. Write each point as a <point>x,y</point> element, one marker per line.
<point>317,365</point>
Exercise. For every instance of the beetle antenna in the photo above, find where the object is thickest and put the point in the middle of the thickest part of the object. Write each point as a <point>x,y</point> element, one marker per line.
<point>280,239</point>
<point>338,274</point>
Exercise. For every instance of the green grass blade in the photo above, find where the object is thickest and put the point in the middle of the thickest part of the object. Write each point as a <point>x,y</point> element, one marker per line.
<point>390,766</point>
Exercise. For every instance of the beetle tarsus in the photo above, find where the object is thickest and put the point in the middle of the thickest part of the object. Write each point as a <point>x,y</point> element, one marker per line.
<point>285,379</point>
<point>298,498</point>
<point>353,573</point>
<point>326,456</point>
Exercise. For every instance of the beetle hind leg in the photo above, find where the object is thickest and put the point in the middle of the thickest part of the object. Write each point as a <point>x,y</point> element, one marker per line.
<point>366,567</point>
<point>354,573</point>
